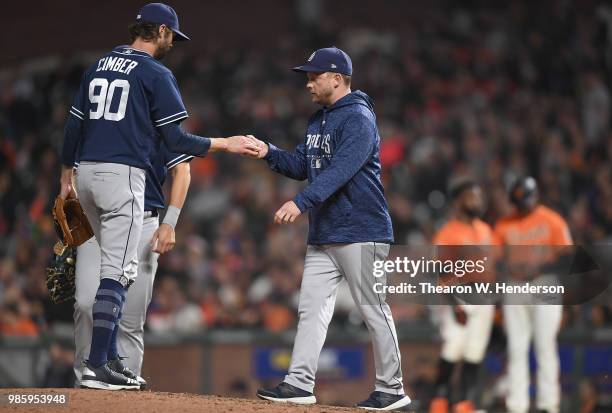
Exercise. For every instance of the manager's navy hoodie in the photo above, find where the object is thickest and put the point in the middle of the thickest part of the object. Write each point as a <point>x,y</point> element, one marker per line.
<point>340,157</point>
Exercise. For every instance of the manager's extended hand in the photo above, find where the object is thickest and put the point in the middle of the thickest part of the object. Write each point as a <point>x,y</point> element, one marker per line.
<point>287,213</point>
<point>261,146</point>
<point>242,145</point>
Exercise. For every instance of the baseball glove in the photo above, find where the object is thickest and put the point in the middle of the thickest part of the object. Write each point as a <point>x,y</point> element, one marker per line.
<point>71,224</point>
<point>60,274</point>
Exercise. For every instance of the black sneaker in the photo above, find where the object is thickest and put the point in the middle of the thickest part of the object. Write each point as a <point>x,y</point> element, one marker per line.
<point>118,366</point>
<point>106,379</point>
<point>286,393</point>
<point>384,401</point>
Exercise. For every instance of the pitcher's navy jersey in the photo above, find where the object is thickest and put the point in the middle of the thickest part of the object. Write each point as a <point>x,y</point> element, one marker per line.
<point>162,161</point>
<point>122,99</point>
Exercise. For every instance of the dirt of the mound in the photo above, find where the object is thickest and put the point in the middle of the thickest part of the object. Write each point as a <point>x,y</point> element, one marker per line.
<point>100,401</point>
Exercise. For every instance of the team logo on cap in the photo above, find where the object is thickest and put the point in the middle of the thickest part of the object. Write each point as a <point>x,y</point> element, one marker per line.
<point>312,56</point>
<point>333,66</point>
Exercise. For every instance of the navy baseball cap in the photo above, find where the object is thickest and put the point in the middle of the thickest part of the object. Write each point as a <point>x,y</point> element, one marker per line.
<point>160,13</point>
<point>330,59</point>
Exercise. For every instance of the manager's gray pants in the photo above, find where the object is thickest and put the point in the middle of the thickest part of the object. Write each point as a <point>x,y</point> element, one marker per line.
<point>112,197</point>
<point>324,268</point>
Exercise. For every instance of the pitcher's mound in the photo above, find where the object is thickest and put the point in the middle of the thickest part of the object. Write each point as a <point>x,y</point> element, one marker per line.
<point>101,401</point>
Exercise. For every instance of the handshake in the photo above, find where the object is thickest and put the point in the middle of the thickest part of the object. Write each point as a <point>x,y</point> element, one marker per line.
<point>247,145</point>
<point>252,147</point>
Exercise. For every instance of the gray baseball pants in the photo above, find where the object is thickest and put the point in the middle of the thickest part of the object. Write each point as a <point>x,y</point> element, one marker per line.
<point>130,340</point>
<point>112,197</point>
<point>324,268</point>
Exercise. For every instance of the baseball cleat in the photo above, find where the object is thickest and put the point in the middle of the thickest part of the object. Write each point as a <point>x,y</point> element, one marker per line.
<point>384,401</point>
<point>286,393</point>
<point>142,382</point>
<point>118,366</point>
<point>106,379</point>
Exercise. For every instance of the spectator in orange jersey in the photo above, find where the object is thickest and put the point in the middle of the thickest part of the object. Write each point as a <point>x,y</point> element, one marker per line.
<point>464,328</point>
<point>532,225</point>
<point>15,320</point>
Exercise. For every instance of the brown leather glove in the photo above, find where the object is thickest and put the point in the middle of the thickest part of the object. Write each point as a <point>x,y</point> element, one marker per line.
<point>71,224</point>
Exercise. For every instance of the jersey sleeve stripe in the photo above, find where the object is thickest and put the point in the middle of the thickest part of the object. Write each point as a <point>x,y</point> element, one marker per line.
<point>76,110</point>
<point>76,114</point>
<point>178,160</point>
<point>172,120</point>
<point>168,117</point>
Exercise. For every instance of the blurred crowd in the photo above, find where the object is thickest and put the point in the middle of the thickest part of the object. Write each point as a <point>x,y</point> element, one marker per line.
<point>492,93</point>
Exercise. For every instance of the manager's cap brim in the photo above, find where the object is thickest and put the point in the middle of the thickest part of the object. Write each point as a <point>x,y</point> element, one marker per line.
<point>309,68</point>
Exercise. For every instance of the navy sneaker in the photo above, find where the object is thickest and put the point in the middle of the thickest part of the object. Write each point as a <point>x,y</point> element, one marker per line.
<point>118,366</point>
<point>286,393</point>
<point>106,379</point>
<point>384,401</point>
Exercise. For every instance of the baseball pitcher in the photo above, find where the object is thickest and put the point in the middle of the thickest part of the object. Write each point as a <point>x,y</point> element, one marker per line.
<point>126,104</point>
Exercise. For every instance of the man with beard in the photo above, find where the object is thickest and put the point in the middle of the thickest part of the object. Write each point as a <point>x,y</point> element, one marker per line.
<point>126,105</point>
<point>464,328</point>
